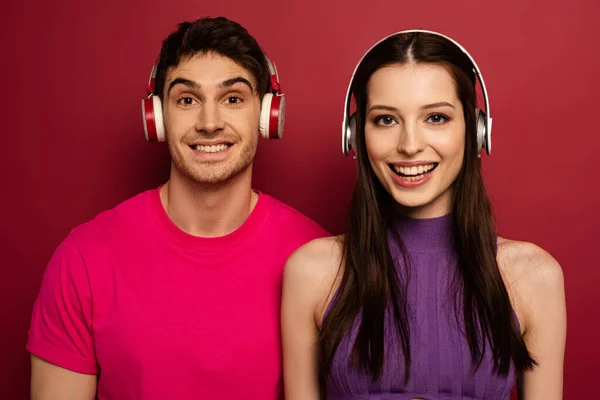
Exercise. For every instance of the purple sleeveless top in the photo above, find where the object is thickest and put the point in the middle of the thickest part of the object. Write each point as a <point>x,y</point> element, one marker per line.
<point>441,365</point>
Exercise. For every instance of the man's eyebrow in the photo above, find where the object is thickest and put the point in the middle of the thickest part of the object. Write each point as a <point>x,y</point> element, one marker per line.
<point>225,84</point>
<point>238,79</point>
<point>182,81</point>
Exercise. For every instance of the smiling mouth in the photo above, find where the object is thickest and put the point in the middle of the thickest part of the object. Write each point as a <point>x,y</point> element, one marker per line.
<point>413,173</point>
<point>210,149</point>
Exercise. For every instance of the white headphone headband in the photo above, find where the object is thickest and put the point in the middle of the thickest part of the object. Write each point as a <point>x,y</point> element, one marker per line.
<point>272,68</point>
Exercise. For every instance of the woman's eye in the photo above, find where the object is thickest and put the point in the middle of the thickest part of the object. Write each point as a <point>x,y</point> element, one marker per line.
<point>438,118</point>
<point>384,120</point>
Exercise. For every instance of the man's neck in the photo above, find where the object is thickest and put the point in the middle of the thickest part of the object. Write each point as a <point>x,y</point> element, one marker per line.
<point>208,210</point>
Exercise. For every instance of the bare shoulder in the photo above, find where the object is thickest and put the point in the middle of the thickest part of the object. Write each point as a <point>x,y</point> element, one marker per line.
<point>528,264</point>
<point>315,260</point>
<point>313,271</point>
<point>532,277</point>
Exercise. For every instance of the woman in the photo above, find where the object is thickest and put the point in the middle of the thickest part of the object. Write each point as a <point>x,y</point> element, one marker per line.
<point>420,298</point>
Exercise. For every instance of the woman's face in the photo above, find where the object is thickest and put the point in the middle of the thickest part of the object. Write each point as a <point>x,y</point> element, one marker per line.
<point>415,135</point>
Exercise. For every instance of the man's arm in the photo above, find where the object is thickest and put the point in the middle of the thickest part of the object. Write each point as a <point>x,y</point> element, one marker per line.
<point>51,382</point>
<point>60,340</point>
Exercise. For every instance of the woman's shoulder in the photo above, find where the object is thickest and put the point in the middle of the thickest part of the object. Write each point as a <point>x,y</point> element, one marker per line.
<point>313,271</point>
<point>316,255</point>
<point>525,261</point>
<point>531,275</point>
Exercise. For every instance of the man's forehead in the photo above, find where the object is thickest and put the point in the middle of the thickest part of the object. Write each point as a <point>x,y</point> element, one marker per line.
<point>209,66</point>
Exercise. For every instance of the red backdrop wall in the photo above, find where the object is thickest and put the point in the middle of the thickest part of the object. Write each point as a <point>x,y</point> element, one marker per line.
<point>74,73</point>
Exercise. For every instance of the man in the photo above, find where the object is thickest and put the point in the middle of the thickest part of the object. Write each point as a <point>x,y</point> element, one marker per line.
<point>175,293</point>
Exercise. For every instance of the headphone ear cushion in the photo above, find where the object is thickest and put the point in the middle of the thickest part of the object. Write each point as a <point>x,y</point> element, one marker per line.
<point>352,132</point>
<point>265,113</point>
<point>481,130</point>
<point>272,116</point>
<point>148,120</point>
<point>278,113</point>
<point>152,118</point>
<point>158,119</point>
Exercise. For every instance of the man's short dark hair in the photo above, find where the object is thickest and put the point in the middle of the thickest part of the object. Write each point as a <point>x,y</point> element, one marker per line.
<point>219,35</point>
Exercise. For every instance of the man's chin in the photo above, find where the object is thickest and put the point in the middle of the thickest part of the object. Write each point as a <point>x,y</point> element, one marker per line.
<point>205,178</point>
<point>211,175</point>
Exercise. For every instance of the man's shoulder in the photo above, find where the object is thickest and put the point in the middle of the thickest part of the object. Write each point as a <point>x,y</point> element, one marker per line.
<point>114,221</point>
<point>283,214</point>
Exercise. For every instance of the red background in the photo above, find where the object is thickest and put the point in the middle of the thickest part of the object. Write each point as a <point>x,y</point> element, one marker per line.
<point>74,73</point>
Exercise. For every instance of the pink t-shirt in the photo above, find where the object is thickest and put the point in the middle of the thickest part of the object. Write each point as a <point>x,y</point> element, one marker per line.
<point>160,314</point>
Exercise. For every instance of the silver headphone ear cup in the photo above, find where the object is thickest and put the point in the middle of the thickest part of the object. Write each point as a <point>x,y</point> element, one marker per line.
<point>352,132</point>
<point>480,118</point>
<point>488,137</point>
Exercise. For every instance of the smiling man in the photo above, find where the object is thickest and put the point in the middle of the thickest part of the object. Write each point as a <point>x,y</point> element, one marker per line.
<point>175,293</point>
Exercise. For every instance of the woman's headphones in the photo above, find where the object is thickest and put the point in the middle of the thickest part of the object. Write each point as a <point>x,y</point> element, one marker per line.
<point>484,120</point>
<point>272,111</point>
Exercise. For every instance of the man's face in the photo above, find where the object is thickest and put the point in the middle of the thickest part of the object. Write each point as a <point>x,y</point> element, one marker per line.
<point>211,111</point>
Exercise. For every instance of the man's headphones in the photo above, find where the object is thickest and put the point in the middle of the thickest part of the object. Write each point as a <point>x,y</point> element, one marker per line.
<point>272,111</point>
<point>484,120</point>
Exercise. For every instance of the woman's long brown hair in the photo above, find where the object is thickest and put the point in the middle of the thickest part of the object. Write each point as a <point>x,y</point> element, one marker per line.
<point>370,283</point>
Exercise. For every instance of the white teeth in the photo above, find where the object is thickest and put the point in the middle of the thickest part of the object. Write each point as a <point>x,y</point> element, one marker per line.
<point>413,171</point>
<point>210,149</point>
<point>415,178</point>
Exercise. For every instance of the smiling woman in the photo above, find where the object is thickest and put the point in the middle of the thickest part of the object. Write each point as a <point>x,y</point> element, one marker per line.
<point>416,132</point>
<point>419,297</point>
